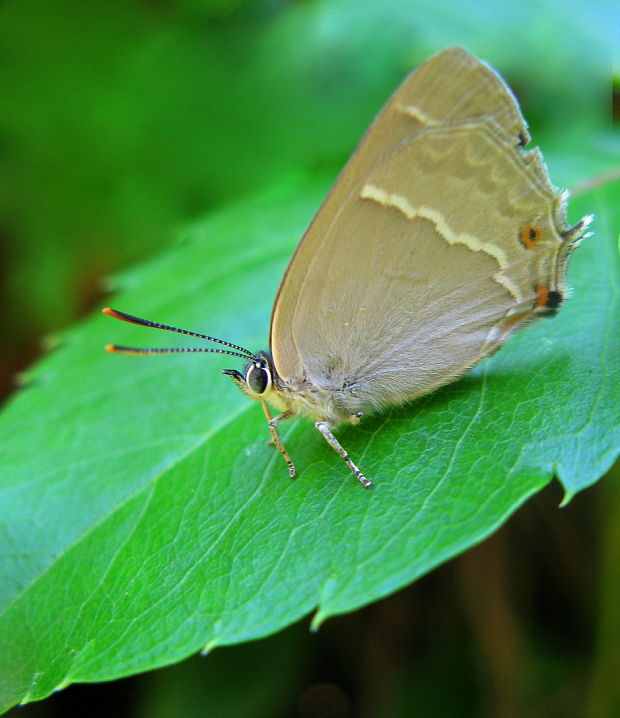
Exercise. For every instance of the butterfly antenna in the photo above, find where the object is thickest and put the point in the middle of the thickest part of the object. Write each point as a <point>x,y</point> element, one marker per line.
<point>239,351</point>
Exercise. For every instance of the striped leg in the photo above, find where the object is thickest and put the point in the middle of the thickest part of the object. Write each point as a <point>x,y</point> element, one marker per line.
<point>275,437</point>
<point>323,427</point>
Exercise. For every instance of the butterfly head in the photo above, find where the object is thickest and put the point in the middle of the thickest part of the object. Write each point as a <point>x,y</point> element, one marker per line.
<point>256,379</point>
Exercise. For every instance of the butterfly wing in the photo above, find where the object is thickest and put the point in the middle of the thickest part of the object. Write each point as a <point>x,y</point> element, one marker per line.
<point>440,237</point>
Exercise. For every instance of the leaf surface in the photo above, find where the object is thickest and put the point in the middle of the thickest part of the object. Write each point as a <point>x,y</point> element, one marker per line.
<point>144,516</point>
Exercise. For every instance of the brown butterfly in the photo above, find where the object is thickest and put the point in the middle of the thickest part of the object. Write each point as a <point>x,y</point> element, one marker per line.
<point>441,237</point>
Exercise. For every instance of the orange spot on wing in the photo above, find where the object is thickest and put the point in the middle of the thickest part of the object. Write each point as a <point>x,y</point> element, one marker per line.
<point>542,296</point>
<point>515,319</point>
<point>530,236</point>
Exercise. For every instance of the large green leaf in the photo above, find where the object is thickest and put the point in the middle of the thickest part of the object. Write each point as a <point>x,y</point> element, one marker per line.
<point>144,516</point>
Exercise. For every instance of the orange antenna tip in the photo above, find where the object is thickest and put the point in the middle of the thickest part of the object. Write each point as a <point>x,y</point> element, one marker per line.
<point>110,348</point>
<point>113,313</point>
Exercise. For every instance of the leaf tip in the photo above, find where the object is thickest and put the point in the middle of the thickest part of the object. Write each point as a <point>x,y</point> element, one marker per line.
<point>317,620</point>
<point>568,497</point>
<point>209,646</point>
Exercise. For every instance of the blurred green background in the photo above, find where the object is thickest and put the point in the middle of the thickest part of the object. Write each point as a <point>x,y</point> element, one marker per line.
<point>123,122</point>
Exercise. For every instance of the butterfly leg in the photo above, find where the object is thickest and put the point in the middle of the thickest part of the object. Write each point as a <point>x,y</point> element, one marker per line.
<point>268,417</point>
<point>324,428</point>
<point>275,437</point>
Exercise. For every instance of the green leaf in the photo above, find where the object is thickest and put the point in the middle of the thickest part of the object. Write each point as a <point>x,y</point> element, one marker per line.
<point>144,517</point>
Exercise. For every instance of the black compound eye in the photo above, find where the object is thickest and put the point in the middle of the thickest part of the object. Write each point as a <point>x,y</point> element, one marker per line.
<point>257,379</point>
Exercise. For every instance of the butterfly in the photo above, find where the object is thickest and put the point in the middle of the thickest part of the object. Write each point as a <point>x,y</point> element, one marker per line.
<point>442,236</point>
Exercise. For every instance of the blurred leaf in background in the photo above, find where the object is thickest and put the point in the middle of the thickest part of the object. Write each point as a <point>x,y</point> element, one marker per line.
<point>123,122</point>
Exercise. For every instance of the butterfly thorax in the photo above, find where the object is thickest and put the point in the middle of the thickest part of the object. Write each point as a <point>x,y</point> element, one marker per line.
<point>304,397</point>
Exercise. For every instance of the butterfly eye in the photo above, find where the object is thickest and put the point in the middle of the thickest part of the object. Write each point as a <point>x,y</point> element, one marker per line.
<point>257,378</point>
